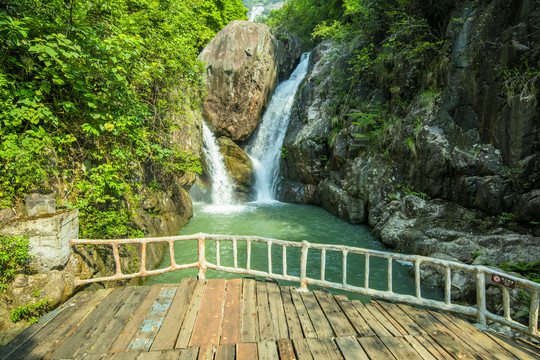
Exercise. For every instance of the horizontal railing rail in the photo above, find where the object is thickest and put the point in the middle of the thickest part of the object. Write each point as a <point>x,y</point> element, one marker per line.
<point>480,273</point>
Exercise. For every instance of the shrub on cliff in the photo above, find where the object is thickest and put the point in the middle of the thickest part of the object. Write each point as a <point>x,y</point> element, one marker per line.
<point>13,256</point>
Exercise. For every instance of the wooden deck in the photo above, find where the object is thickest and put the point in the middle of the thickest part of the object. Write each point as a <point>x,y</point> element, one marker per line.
<point>247,319</point>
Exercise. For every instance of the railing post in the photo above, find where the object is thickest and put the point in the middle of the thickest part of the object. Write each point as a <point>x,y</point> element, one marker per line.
<point>303,266</point>
<point>533,313</point>
<point>481,296</point>
<point>202,257</point>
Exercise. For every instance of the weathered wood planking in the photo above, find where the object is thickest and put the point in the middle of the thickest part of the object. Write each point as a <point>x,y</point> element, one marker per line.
<point>191,316</point>
<point>232,313</point>
<point>211,319</point>
<point>147,331</point>
<point>305,321</point>
<point>207,328</point>
<point>358,322</point>
<point>167,336</point>
<point>266,327</point>
<point>351,349</point>
<point>277,311</point>
<point>338,321</point>
<point>292,317</point>
<point>250,326</point>
<point>318,319</point>
<point>125,336</point>
<point>246,351</point>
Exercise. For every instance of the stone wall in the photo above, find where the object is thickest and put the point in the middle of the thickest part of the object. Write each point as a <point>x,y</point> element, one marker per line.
<point>49,237</point>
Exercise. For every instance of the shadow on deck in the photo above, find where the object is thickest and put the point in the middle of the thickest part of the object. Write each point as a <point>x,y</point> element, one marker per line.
<point>246,319</point>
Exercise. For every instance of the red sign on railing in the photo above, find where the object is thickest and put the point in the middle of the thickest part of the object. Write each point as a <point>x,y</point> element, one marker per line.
<point>504,281</point>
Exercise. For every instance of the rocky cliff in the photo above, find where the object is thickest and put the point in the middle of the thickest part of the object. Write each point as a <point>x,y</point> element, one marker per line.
<point>441,158</point>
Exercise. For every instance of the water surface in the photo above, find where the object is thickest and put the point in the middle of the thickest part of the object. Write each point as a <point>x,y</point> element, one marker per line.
<point>293,223</point>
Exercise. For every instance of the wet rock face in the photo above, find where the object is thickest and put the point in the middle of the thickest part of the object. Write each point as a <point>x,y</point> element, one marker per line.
<point>460,177</point>
<point>240,167</point>
<point>244,63</point>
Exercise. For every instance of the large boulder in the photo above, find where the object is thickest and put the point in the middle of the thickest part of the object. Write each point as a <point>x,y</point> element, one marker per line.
<point>239,165</point>
<point>244,62</point>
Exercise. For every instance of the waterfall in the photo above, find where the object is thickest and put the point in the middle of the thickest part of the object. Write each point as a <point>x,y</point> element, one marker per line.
<point>264,150</point>
<point>255,12</point>
<point>222,187</point>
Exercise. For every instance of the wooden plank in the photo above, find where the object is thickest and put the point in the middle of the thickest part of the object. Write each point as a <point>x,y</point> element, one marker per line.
<point>291,316</point>
<point>370,319</point>
<point>450,342</point>
<point>208,324</point>
<point>246,351</point>
<point>518,351</point>
<point>266,327</point>
<point>351,349</point>
<point>30,343</point>
<point>375,348</point>
<point>357,321</point>
<point>46,346</point>
<point>278,313</point>
<point>191,353</point>
<point>125,336</point>
<point>206,352</point>
<point>226,351</point>
<point>382,319</point>
<point>318,319</point>
<point>170,354</point>
<point>303,316</point>
<point>191,316</point>
<point>104,340</point>
<point>470,334</point>
<point>154,355</point>
<point>474,338</point>
<point>286,349</point>
<point>168,333</point>
<point>125,356</point>
<point>232,313</point>
<point>250,327</point>
<point>302,350</point>
<point>400,348</point>
<point>399,319</point>
<point>335,353</point>
<point>45,325</point>
<point>335,316</point>
<point>419,348</point>
<point>147,331</point>
<point>267,350</point>
<point>322,350</point>
<point>433,347</point>
<point>79,342</point>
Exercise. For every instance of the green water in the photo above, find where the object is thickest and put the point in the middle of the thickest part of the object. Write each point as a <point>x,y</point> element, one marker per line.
<point>292,223</point>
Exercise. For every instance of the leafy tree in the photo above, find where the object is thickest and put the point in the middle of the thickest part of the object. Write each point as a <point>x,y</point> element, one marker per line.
<point>89,95</point>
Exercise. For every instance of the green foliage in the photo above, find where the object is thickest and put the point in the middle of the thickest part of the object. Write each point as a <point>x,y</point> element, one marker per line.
<point>530,270</point>
<point>284,152</point>
<point>371,124</point>
<point>302,17</point>
<point>30,312</point>
<point>13,256</point>
<point>104,83</point>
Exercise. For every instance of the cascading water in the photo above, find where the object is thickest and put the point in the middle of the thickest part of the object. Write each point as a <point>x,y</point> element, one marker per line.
<point>222,187</point>
<point>264,151</point>
<point>255,12</point>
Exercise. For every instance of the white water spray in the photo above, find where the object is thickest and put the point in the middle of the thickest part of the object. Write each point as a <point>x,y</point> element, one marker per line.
<point>222,187</point>
<point>255,12</point>
<point>265,149</point>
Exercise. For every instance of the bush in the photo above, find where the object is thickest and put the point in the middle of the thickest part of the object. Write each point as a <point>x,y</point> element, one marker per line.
<point>13,256</point>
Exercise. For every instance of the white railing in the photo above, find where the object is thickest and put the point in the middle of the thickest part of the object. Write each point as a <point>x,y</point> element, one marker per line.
<point>479,272</point>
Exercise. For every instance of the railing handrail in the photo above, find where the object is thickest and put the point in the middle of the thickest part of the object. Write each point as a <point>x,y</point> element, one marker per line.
<point>480,310</point>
